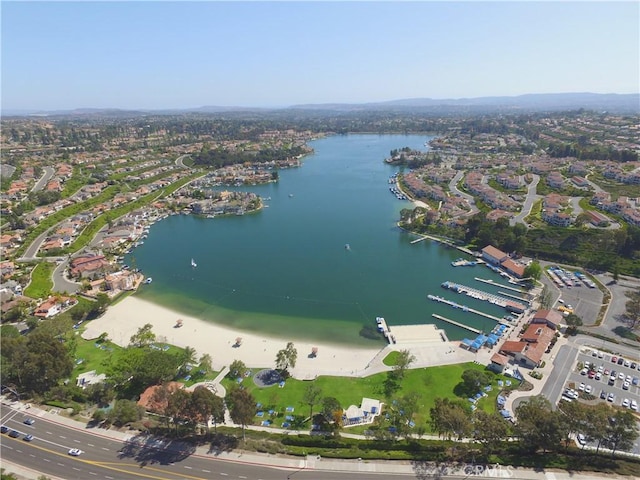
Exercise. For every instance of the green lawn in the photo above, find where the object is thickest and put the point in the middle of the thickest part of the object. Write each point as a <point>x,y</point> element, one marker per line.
<point>428,383</point>
<point>41,283</point>
<point>92,355</point>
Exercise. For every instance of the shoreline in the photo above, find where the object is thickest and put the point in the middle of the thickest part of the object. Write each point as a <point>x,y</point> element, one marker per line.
<point>123,320</point>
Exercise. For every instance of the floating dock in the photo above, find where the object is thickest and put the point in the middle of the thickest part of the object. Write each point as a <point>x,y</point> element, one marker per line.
<point>491,282</point>
<point>464,308</point>
<point>509,305</point>
<point>384,329</point>
<point>457,324</point>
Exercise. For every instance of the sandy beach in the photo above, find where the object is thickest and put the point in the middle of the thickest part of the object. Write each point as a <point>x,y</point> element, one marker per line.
<point>124,319</point>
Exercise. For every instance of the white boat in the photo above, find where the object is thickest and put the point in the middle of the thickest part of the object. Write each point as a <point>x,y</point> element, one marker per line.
<point>148,280</point>
<point>193,264</point>
<point>347,246</point>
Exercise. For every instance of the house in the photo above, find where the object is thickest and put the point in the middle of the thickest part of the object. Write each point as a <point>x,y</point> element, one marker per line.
<point>367,411</point>
<point>492,255</point>
<point>53,306</point>
<point>89,266</point>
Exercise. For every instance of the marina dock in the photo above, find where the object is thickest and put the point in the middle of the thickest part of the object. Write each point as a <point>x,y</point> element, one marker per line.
<point>382,327</point>
<point>464,308</point>
<point>507,304</point>
<point>491,282</point>
<point>457,324</point>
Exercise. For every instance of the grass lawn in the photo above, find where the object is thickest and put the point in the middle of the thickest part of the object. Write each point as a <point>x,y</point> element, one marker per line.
<point>41,283</point>
<point>92,355</point>
<point>428,383</point>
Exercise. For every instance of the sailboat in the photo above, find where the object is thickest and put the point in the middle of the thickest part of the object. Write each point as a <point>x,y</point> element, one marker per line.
<point>193,264</point>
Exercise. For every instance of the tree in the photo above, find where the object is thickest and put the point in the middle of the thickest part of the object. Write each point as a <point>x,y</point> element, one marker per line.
<point>237,369</point>
<point>403,360</point>
<point>178,407</point>
<point>202,405</point>
<point>332,412</point>
<point>205,363</point>
<point>489,429</point>
<point>311,397</point>
<point>143,337</point>
<point>187,357</point>
<point>539,426</point>
<point>35,363</point>
<point>124,412</point>
<point>573,322</point>
<point>632,314</point>
<point>622,431</point>
<point>449,419</point>
<point>242,406</point>
<point>402,413</point>
<point>473,380</point>
<point>533,270</point>
<point>286,358</point>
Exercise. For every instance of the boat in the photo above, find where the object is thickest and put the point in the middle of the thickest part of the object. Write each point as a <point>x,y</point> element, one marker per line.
<point>148,280</point>
<point>193,264</point>
<point>347,246</point>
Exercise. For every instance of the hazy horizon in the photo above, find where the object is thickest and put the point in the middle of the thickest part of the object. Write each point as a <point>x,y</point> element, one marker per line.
<point>185,55</point>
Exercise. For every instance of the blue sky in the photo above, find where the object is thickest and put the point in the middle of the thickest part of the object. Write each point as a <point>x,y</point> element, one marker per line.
<point>148,55</point>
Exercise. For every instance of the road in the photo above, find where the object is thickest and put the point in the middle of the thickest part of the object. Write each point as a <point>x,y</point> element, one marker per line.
<point>180,160</point>
<point>453,187</point>
<point>44,179</point>
<point>108,458</point>
<point>532,197</point>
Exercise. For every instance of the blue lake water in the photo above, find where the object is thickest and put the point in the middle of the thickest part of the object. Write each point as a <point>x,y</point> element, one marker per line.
<point>285,270</point>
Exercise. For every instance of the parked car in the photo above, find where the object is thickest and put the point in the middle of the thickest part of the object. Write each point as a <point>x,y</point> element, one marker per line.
<point>581,387</point>
<point>620,361</point>
<point>614,359</point>
<point>603,395</point>
<point>588,389</point>
<point>611,397</point>
<point>625,386</point>
<point>635,381</point>
<point>634,365</point>
<point>634,405</point>
<point>627,363</point>
<point>626,403</point>
<point>621,376</point>
<point>581,439</point>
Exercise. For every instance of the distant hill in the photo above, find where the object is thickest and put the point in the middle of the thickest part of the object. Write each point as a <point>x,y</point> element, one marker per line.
<point>610,102</point>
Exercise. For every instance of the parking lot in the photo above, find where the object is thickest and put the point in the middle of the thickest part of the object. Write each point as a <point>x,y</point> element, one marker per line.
<point>584,301</point>
<point>608,381</point>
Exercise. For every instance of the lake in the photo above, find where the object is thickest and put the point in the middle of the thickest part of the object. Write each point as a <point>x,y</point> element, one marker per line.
<point>287,270</point>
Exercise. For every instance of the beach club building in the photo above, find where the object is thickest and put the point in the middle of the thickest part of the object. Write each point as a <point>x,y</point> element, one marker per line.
<point>494,256</point>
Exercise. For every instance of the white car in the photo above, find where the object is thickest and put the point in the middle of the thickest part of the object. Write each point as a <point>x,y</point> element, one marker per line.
<point>75,452</point>
<point>626,403</point>
<point>634,405</point>
<point>588,389</point>
<point>598,376</point>
<point>581,387</point>
<point>581,439</point>
<point>625,386</point>
<point>628,379</point>
<point>584,371</point>
<point>600,369</point>
<point>621,376</point>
